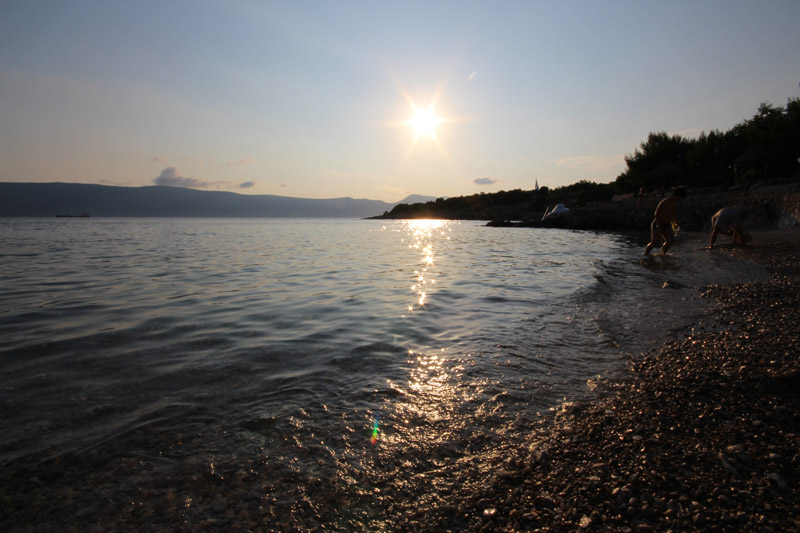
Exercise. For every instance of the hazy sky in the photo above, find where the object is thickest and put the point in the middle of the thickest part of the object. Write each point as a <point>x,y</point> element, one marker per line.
<point>312,99</point>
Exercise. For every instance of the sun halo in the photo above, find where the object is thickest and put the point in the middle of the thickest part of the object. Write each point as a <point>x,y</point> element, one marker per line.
<point>424,122</point>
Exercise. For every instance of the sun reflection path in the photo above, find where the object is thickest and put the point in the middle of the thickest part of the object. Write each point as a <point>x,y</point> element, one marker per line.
<point>422,233</point>
<point>429,376</point>
<point>433,396</point>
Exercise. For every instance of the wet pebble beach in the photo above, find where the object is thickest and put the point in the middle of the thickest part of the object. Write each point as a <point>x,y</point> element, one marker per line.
<point>703,436</point>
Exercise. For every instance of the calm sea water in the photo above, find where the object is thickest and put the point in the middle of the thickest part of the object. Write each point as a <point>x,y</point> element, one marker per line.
<point>303,362</point>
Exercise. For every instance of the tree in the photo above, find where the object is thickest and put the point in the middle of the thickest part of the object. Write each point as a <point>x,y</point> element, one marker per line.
<point>767,146</point>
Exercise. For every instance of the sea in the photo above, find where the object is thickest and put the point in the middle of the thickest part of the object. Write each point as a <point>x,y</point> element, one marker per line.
<point>305,374</point>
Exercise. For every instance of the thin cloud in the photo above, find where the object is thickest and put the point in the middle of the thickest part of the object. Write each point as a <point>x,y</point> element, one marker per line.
<point>486,181</point>
<point>116,183</point>
<point>247,184</point>
<point>691,133</point>
<point>171,178</point>
<point>590,162</point>
<point>240,163</point>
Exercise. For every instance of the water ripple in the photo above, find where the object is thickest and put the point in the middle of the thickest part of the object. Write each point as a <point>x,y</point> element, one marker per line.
<point>294,349</point>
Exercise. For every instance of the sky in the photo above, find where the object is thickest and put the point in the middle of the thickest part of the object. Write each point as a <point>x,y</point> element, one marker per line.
<point>317,99</point>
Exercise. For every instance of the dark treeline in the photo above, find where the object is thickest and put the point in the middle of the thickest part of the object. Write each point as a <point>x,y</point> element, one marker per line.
<point>516,204</point>
<point>766,147</point>
<point>763,148</point>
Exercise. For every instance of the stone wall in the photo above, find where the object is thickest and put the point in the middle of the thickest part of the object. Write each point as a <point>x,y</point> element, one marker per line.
<point>767,206</point>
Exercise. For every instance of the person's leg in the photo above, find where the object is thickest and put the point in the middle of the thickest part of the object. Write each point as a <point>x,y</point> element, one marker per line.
<point>655,233</point>
<point>737,236</point>
<point>669,238</point>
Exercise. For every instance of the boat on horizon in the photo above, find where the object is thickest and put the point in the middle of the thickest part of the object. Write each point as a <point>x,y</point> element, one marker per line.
<point>83,214</point>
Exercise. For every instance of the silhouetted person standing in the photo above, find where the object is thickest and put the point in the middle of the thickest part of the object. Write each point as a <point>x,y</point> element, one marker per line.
<point>661,227</point>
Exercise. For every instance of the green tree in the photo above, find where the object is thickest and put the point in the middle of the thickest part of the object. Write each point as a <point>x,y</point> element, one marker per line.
<point>659,163</point>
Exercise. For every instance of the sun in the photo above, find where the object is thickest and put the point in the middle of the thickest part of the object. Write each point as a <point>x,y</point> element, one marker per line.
<point>424,122</point>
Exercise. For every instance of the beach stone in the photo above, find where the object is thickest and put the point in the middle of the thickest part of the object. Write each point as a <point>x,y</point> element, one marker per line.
<point>778,480</point>
<point>218,505</point>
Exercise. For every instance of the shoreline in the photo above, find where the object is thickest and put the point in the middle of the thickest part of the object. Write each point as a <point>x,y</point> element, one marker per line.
<point>770,205</point>
<point>703,434</point>
<point>700,432</point>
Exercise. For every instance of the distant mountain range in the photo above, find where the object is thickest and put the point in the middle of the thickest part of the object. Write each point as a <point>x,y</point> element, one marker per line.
<point>50,199</point>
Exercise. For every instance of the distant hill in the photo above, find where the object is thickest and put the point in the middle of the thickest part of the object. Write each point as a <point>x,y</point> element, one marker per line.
<point>50,199</point>
<point>416,199</point>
